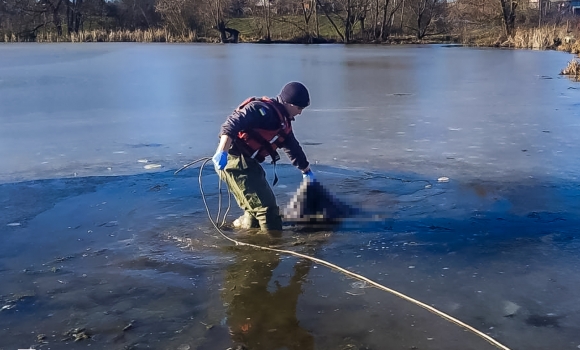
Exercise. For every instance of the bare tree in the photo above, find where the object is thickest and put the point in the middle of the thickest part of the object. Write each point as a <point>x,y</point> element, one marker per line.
<point>216,16</point>
<point>74,15</point>
<point>176,14</point>
<point>53,8</point>
<point>327,15</point>
<point>134,14</point>
<point>264,12</point>
<point>388,9</point>
<point>28,16</point>
<point>425,11</point>
<point>21,18</point>
<point>308,8</point>
<point>508,11</point>
<point>350,13</point>
<point>300,14</point>
<point>357,11</point>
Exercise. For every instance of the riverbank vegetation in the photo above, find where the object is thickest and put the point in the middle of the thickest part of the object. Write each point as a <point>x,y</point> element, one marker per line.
<point>572,70</point>
<point>538,24</point>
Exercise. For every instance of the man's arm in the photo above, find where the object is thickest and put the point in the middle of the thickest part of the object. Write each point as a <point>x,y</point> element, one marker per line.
<point>225,143</point>
<point>295,153</point>
<point>235,122</point>
<point>220,158</point>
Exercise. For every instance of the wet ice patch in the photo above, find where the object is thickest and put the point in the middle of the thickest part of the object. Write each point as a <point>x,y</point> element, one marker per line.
<point>357,288</point>
<point>346,109</point>
<point>152,166</point>
<point>142,161</point>
<point>109,224</point>
<point>142,145</point>
<point>549,320</point>
<point>510,308</point>
<point>13,224</point>
<point>359,285</point>
<point>454,306</point>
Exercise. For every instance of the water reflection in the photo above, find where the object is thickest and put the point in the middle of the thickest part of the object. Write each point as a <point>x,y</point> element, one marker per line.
<point>261,305</point>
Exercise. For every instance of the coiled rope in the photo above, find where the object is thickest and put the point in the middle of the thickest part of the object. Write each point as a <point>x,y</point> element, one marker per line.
<point>326,263</point>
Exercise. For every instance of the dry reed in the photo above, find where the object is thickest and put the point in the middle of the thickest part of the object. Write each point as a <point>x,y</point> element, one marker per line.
<point>10,38</point>
<point>572,70</point>
<point>148,35</point>
<point>571,46</point>
<point>541,38</point>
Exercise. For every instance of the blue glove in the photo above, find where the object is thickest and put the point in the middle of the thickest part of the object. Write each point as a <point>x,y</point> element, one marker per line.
<point>309,175</point>
<point>220,159</point>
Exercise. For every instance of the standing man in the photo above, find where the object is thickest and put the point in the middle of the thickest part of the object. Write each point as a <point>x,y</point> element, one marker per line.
<point>250,134</point>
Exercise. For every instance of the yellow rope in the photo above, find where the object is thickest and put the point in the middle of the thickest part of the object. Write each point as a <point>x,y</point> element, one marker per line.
<point>353,275</point>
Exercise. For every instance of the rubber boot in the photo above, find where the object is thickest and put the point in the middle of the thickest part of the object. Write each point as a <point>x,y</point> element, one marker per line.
<point>246,221</point>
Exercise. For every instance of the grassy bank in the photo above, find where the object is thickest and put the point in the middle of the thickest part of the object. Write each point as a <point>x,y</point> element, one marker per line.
<point>293,29</point>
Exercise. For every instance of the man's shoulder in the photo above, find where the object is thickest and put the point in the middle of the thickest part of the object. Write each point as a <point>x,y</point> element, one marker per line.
<point>264,107</point>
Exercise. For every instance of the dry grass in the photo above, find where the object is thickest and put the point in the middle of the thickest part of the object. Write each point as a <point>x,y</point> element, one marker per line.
<point>479,35</point>
<point>572,70</point>
<point>148,35</point>
<point>9,38</point>
<point>541,38</point>
<point>572,46</point>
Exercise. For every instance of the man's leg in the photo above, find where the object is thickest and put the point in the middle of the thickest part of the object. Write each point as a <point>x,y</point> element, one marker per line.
<point>247,181</point>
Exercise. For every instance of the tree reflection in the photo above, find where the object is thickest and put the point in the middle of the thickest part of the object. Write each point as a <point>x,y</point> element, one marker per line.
<point>261,312</point>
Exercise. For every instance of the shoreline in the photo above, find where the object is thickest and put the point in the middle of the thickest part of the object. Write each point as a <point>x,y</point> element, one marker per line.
<point>566,44</point>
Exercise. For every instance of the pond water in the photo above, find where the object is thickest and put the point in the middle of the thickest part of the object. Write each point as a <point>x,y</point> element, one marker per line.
<point>103,244</point>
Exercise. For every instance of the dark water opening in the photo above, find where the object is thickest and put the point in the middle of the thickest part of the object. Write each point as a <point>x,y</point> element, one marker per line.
<point>133,261</point>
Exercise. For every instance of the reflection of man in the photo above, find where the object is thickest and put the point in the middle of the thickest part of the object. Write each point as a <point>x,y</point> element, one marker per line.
<point>261,312</point>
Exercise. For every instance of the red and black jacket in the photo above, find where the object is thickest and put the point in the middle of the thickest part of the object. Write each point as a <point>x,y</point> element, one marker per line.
<point>258,127</point>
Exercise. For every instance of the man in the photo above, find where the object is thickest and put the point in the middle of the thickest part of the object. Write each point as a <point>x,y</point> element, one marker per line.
<point>249,135</point>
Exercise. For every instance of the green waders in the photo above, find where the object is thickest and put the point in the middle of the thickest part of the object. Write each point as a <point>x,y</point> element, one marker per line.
<point>247,181</point>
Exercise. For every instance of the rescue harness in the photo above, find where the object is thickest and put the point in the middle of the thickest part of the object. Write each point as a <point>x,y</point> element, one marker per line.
<point>261,143</point>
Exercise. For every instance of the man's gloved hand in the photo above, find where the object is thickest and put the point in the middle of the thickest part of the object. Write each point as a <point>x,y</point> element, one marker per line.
<point>220,159</point>
<point>309,175</point>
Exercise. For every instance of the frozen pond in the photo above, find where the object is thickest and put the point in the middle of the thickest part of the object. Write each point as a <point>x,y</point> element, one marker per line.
<point>472,113</point>
<point>96,245</point>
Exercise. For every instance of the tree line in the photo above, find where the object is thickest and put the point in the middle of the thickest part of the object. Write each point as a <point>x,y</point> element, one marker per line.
<point>348,20</point>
